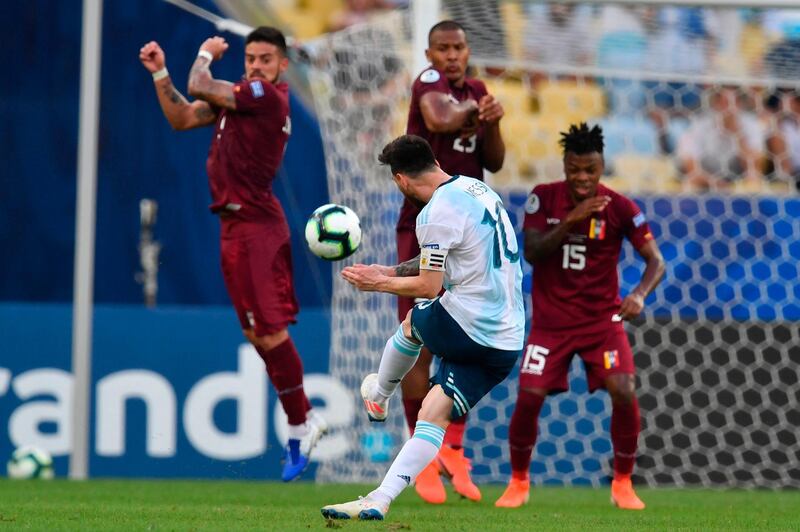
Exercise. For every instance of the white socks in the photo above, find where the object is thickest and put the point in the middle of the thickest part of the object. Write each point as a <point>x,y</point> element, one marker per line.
<point>415,455</point>
<point>398,358</point>
<point>297,432</point>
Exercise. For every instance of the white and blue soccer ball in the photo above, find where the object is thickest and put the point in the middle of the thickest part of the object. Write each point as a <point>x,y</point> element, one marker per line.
<point>333,232</point>
<point>30,462</point>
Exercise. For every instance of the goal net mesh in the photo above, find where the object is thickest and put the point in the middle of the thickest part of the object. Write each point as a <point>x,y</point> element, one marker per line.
<point>700,117</point>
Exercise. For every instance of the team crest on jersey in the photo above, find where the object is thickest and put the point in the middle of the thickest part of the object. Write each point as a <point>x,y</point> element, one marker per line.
<point>597,229</point>
<point>257,89</point>
<point>532,204</point>
<point>429,76</point>
<point>610,359</point>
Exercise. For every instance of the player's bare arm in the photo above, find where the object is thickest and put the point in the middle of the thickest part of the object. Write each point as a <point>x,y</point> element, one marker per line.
<point>442,115</point>
<point>202,84</point>
<point>493,151</point>
<point>427,284</point>
<point>633,303</point>
<point>408,268</point>
<point>539,244</point>
<point>180,113</point>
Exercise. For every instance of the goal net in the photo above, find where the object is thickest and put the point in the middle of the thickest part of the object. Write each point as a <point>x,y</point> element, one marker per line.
<point>700,111</point>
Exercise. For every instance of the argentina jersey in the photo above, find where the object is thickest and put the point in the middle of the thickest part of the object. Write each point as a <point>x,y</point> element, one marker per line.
<point>466,221</point>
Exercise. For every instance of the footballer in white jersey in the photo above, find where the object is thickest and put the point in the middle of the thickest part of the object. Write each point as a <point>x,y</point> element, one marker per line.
<point>468,247</point>
<point>465,230</point>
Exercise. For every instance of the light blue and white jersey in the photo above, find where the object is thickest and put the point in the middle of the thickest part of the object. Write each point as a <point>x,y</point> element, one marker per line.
<point>466,226</point>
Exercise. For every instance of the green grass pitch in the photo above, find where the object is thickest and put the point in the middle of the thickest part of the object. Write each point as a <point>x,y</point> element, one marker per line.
<point>188,505</point>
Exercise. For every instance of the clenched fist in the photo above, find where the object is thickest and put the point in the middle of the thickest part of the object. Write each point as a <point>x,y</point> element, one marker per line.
<point>216,46</point>
<point>152,57</point>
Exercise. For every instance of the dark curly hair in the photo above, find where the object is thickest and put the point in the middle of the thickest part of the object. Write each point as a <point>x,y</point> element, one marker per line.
<point>580,139</point>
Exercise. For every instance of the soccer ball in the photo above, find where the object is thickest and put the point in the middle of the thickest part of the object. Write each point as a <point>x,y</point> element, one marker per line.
<point>30,462</point>
<point>333,232</point>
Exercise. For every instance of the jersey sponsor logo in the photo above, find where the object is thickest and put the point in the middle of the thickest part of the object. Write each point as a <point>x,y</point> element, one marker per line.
<point>553,221</point>
<point>638,220</point>
<point>431,246</point>
<point>257,89</point>
<point>429,76</point>
<point>597,229</point>
<point>532,204</point>
<point>610,359</point>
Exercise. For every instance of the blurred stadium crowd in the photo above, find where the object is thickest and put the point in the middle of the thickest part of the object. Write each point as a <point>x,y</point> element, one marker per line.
<point>691,98</point>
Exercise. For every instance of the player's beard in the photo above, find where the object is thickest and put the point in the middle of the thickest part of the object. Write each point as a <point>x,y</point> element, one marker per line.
<point>418,203</point>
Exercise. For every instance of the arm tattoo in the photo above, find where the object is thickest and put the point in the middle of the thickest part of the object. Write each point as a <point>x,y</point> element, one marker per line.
<point>204,87</point>
<point>172,94</point>
<point>408,268</point>
<point>200,71</point>
<point>204,113</point>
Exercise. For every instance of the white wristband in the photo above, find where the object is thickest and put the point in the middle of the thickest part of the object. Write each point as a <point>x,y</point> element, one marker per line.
<point>206,54</point>
<point>160,74</point>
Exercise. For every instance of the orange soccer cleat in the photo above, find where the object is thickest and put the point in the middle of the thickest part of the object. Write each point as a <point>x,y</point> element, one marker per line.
<point>517,493</point>
<point>623,496</point>
<point>455,465</point>
<point>429,486</point>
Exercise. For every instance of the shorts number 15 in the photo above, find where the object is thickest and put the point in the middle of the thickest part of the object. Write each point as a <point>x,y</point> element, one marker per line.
<point>534,359</point>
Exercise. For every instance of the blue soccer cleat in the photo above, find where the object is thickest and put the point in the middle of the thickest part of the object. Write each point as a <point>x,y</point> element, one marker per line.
<point>297,453</point>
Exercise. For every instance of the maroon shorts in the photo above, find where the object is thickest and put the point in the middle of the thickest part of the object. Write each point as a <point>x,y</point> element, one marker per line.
<point>547,357</point>
<point>257,267</point>
<point>407,249</point>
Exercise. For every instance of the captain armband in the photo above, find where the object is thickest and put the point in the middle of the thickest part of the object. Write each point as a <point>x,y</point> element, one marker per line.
<point>432,259</point>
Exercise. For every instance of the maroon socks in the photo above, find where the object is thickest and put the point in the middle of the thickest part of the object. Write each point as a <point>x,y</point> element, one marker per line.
<point>522,432</point>
<point>625,427</point>
<point>285,370</point>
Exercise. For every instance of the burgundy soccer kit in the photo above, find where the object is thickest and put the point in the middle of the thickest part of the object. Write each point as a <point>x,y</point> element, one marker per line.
<point>576,289</point>
<point>456,156</point>
<point>245,154</point>
<point>575,301</point>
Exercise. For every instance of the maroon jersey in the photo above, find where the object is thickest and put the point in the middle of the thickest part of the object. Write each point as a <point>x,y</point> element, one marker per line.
<point>456,156</point>
<point>577,287</point>
<point>246,150</point>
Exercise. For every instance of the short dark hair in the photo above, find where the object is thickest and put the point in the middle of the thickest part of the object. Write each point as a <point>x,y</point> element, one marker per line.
<point>445,25</point>
<point>580,139</point>
<point>267,34</point>
<point>408,154</point>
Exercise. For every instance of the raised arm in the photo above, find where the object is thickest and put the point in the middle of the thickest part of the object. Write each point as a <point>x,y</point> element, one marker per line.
<point>442,115</point>
<point>202,85</point>
<point>493,150</point>
<point>179,112</point>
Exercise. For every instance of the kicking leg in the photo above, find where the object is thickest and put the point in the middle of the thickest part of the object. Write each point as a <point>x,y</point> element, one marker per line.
<point>416,453</point>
